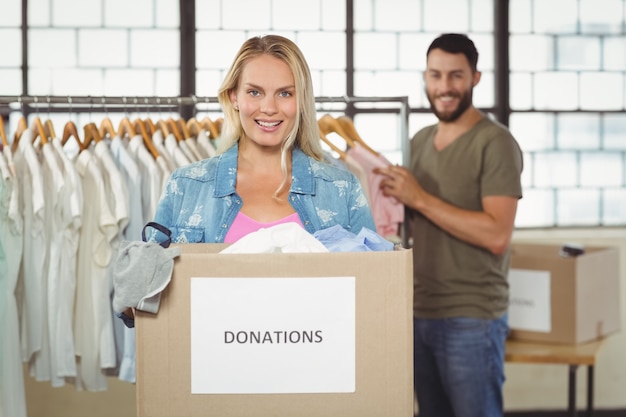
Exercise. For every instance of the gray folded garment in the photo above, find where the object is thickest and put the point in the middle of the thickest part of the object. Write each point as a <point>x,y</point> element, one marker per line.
<point>141,272</point>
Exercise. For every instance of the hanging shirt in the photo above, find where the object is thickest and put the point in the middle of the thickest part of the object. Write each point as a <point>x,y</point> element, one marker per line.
<point>32,205</point>
<point>12,395</point>
<point>184,147</point>
<point>192,145</point>
<point>45,365</point>
<point>159,143</point>
<point>116,196</point>
<point>165,172</point>
<point>72,201</point>
<point>151,177</point>
<point>124,336</point>
<point>387,211</point>
<point>205,145</point>
<point>94,255</point>
<point>180,160</point>
<point>131,176</point>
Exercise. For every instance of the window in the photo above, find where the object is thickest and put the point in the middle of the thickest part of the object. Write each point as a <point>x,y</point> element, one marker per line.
<point>567,73</point>
<point>568,100</point>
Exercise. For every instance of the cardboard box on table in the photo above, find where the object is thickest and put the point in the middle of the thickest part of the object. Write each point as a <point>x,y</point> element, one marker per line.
<point>561,299</point>
<point>381,374</point>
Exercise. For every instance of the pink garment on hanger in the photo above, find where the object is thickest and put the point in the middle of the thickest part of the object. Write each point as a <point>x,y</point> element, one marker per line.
<point>388,212</point>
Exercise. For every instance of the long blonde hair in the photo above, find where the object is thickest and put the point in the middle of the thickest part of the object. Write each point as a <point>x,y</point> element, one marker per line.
<point>305,133</point>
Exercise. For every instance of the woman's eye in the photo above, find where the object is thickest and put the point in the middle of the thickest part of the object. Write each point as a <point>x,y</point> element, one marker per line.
<point>254,93</point>
<point>285,94</point>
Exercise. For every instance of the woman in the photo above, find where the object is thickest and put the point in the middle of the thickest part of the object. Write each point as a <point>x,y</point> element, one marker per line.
<point>269,169</point>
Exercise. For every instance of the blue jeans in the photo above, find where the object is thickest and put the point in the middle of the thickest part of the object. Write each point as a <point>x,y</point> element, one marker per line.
<point>459,366</point>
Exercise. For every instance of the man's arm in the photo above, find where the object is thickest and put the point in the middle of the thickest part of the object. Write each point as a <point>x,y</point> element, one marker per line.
<point>491,228</point>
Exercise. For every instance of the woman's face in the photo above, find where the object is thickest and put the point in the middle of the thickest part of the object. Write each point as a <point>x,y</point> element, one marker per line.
<point>266,99</point>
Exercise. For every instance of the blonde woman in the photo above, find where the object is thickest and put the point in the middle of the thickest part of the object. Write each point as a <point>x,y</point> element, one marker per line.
<point>269,167</point>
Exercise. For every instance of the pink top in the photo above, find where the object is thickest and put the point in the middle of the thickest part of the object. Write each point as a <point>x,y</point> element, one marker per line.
<point>244,225</point>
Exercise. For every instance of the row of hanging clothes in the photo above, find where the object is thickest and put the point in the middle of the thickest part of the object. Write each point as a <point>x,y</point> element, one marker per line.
<point>66,203</point>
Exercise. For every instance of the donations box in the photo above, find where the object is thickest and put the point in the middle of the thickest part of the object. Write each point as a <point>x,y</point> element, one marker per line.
<point>279,334</point>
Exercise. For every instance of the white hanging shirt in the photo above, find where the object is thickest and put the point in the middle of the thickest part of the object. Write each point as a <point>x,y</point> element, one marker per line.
<point>44,366</point>
<point>12,395</point>
<point>32,205</point>
<point>72,200</point>
<point>151,177</point>
<point>94,255</point>
<point>172,146</point>
<point>116,196</point>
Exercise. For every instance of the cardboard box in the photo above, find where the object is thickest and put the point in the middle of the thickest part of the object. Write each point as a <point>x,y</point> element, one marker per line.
<point>374,329</point>
<point>562,299</point>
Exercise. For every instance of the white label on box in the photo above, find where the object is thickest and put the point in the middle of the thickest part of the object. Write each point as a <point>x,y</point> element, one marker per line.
<point>273,335</point>
<point>529,307</point>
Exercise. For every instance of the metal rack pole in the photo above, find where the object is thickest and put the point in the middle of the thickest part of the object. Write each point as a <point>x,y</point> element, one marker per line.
<point>100,101</point>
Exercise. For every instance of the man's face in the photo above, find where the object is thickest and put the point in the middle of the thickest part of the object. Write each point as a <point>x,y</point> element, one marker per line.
<point>449,82</point>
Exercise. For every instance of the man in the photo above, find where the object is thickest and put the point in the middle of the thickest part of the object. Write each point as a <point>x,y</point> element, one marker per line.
<point>461,194</point>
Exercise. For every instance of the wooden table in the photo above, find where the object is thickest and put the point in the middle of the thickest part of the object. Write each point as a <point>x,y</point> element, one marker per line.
<point>571,355</point>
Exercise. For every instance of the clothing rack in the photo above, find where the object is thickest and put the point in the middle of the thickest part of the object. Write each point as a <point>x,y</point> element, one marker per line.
<point>44,100</point>
<point>27,104</point>
<point>189,105</point>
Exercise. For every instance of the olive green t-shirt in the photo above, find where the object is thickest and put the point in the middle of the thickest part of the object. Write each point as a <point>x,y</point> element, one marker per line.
<point>453,278</point>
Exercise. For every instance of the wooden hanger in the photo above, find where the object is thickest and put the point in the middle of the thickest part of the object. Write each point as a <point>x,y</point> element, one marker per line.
<point>125,128</point>
<point>49,129</point>
<point>182,127</point>
<point>328,124</point>
<point>150,126</point>
<point>342,154</point>
<point>106,128</point>
<point>219,122</point>
<point>140,128</point>
<point>211,126</point>
<point>22,126</point>
<point>39,131</point>
<point>347,125</point>
<point>162,126</point>
<point>69,130</point>
<point>91,134</point>
<point>194,127</point>
<point>3,133</point>
<point>173,127</point>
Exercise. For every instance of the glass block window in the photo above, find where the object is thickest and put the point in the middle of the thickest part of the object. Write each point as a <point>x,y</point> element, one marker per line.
<point>103,47</point>
<point>390,42</point>
<point>11,35</point>
<point>567,79</point>
<point>568,99</point>
<point>392,36</point>
<point>317,26</point>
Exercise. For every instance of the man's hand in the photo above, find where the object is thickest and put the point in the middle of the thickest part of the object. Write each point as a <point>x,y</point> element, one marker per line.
<point>400,183</point>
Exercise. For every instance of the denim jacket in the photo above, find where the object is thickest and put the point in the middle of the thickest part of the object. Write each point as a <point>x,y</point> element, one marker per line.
<point>199,203</point>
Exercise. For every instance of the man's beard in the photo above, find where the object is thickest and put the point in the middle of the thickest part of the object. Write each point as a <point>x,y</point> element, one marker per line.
<point>464,104</point>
